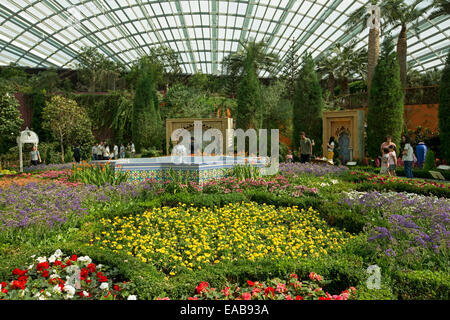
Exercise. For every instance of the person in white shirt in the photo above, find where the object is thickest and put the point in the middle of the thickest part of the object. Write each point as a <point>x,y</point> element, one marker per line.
<point>106,153</point>
<point>116,152</point>
<point>408,156</point>
<point>179,151</point>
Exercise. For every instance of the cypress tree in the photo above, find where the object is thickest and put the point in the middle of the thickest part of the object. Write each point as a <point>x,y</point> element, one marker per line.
<point>444,111</point>
<point>146,120</point>
<point>308,105</point>
<point>249,102</point>
<point>385,108</point>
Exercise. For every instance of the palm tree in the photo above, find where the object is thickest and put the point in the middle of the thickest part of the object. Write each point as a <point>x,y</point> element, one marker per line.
<point>442,8</point>
<point>327,66</point>
<point>361,16</point>
<point>399,14</point>
<point>350,62</point>
<point>233,64</point>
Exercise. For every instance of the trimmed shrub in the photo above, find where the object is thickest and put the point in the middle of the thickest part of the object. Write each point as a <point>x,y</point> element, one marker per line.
<point>421,285</point>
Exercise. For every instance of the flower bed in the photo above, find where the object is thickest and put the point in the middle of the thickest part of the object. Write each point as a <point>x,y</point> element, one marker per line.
<point>188,238</point>
<point>275,289</point>
<point>59,277</point>
<point>52,204</point>
<point>296,168</point>
<point>417,226</point>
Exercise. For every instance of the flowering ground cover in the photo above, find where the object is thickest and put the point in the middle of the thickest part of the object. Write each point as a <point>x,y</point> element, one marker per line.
<point>189,238</point>
<point>296,168</point>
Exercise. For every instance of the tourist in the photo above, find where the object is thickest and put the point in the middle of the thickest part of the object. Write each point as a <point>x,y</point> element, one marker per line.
<point>421,152</point>
<point>289,156</point>
<point>392,160</point>
<point>330,147</point>
<point>384,167</point>
<point>106,152</point>
<point>132,148</point>
<point>305,149</point>
<point>94,152</point>
<point>77,154</point>
<point>408,156</point>
<point>35,156</point>
<point>387,143</point>
<point>100,151</point>
<point>122,151</point>
<point>116,151</point>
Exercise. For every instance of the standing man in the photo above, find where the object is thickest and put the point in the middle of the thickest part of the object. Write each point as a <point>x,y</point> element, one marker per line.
<point>122,151</point>
<point>116,151</point>
<point>305,149</point>
<point>94,152</point>
<point>100,151</point>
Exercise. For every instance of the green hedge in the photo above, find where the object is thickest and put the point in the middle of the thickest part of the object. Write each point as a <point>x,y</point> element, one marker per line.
<point>422,285</point>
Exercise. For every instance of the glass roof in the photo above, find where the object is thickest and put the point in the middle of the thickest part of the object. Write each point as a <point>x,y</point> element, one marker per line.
<point>49,33</point>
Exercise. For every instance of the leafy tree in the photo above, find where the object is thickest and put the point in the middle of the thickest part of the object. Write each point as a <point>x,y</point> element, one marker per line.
<point>385,108</point>
<point>47,80</point>
<point>249,104</point>
<point>308,105</point>
<point>10,121</point>
<point>68,122</point>
<point>97,72</point>
<point>38,101</point>
<point>327,66</point>
<point>444,111</point>
<point>13,78</point>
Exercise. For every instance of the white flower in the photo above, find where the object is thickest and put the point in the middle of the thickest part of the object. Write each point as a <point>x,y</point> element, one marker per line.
<point>104,286</point>
<point>41,259</point>
<point>69,289</point>
<point>53,276</point>
<point>99,266</point>
<point>42,298</point>
<point>48,294</point>
<point>57,289</point>
<point>131,297</point>
<point>52,259</point>
<point>32,257</point>
<point>30,266</point>
<point>334,181</point>
<point>85,259</point>
<point>58,253</point>
<point>85,294</point>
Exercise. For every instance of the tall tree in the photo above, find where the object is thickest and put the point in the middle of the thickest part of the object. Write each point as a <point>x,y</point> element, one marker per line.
<point>146,119</point>
<point>308,105</point>
<point>401,13</point>
<point>444,111</point>
<point>385,109</point>
<point>327,66</point>
<point>359,17</point>
<point>290,71</point>
<point>441,8</point>
<point>249,103</point>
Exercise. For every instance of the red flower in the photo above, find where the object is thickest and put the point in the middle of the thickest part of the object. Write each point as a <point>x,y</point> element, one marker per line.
<point>84,274</point>
<point>19,272</point>
<point>269,289</point>
<point>3,284</point>
<point>202,287</point>
<point>5,290</point>
<point>91,267</point>
<point>324,298</point>
<point>250,283</point>
<point>44,273</point>
<point>246,296</point>
<point>116,287</point>
<point>74,258</point>
<point>191,298</point>
<point>42,265</point>
<point>298,298</point>
<point>57,263</point>
<point>293,275</point>
<point>18,285</point>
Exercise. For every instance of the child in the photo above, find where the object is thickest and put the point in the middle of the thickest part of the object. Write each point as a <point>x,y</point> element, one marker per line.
<point>392,160</point>
<point>289,156</point>
<point>384,161</point>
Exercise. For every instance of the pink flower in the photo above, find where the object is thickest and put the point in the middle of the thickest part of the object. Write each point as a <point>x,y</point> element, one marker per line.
<point>281,287</point>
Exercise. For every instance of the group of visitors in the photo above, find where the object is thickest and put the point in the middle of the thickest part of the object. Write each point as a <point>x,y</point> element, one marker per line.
<point>102,151</point>
<point>389,156</point>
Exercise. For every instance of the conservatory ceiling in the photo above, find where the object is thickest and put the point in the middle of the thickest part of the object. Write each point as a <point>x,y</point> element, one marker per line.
<point>49,33</point>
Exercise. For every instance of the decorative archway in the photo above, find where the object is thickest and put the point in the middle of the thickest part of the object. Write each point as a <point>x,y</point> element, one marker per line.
<point>26,136</point>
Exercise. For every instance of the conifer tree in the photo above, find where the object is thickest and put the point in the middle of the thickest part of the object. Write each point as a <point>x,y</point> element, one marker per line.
<point>385,107</point>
